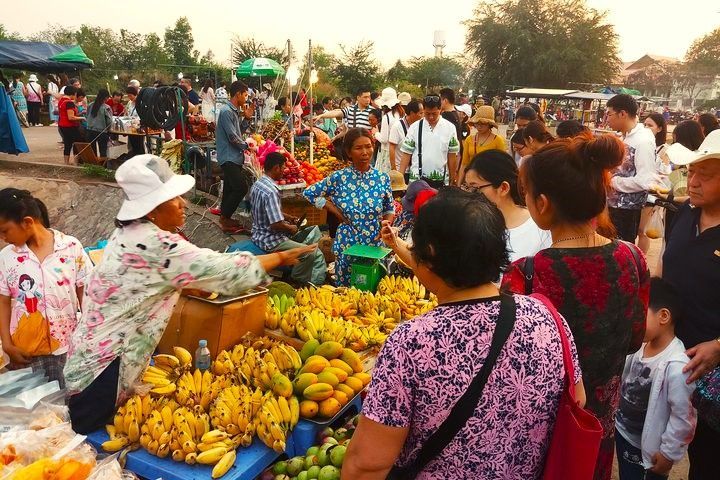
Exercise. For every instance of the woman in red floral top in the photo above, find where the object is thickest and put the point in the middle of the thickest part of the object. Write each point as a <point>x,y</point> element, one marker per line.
<point>600,286</point>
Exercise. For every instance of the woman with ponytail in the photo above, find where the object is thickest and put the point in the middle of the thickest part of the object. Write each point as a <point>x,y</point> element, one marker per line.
<point>42,273</point>
<point>600,286</point>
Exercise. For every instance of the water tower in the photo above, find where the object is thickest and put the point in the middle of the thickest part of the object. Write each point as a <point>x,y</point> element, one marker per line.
<point>439,42</point>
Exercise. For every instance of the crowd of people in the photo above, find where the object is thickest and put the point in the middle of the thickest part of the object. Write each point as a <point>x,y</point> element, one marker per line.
<point>508,235</point>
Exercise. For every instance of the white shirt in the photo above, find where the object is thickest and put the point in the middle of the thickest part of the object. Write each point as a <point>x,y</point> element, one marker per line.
<point>397,135</point>
<point>437,144</point>
<point>632,179</point>
<point>526,240</point>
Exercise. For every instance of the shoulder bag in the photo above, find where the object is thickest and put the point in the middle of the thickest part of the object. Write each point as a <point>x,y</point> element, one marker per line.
<point>577,433</point>
<point>465,407</point>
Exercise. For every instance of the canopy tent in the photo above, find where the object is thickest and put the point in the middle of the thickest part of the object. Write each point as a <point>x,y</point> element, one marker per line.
<point>540,93</point>
<point>42,57</point>
<point>12,139</point>
<point>590,96</point>
<point>619,90</point>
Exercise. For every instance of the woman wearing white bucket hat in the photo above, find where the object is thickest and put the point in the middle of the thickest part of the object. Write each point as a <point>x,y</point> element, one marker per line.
<point>34,101</point>
<point>392,112</point>
<point>130,295</point>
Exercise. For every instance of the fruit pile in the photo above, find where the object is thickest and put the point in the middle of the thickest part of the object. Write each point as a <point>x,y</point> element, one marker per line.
<point>330,377</point>
<point>321,462</point>
<point>354,318</point>
<point>276,130</point>
<point>323,160</point>
<point>310,173</point>
<point>202,417</point>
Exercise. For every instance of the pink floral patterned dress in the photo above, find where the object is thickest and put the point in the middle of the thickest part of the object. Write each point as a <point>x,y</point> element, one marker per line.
<point>427,364</point>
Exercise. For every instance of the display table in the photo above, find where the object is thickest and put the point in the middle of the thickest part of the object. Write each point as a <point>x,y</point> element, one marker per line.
<point>249,464</point>
<point>305,433</point>
<point>150,138</point>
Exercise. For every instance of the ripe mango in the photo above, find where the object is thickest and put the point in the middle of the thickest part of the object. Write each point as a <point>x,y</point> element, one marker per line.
<point>338,372</point>
<point>337,363</point>
<point>363,377</point>
<point>346,390</point>
<point>329,407</point>
<point>303,381</point>
<point>315,364</point>
<point>320,391</point>
<point>355,383</point>
<point>328,377</point>
<point>341,397</point>
<point>352,359</point>
<point>329,350</point>
<point>282,385</point>
<point>309,409</point>
<point>309,348</point>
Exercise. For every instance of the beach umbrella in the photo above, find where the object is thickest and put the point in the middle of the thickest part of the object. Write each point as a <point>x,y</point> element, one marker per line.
<point>259,67</point>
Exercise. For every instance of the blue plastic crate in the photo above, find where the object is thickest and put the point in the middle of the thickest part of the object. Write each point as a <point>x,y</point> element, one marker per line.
<point>249,464</point>
<point>305,433</point>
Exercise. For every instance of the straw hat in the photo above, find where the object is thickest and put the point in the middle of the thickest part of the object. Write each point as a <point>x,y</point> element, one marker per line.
<point>710,148</point>
<point>388,98</point>
<point>397,181</point>
<point>484,114</point>
<point>148,181</point>
<point>404,98</point>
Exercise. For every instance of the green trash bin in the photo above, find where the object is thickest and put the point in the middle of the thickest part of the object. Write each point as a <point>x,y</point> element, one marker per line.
<point>366,266</point>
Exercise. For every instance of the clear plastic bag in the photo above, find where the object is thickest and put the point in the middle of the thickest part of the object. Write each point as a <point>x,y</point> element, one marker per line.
<point>655,227</point>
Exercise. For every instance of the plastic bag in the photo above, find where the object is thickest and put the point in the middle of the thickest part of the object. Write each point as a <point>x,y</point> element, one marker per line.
<point>655,227</point>
<point>109,469</point>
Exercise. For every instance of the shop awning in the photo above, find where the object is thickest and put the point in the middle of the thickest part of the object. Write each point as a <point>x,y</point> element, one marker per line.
<point>42,56</point>
<point>590,96</point>
<point>540,93</point>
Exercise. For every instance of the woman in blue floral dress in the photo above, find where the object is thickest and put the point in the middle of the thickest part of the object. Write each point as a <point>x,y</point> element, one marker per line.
<point>359,196</point>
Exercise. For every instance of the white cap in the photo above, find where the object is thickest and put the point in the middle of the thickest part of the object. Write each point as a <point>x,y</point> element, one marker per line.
<point>710,148</point>
<point>466,109</point>
<point>148,181</point>
<point>388,98</point>
<point>404,98</point>
<point>134,83</point>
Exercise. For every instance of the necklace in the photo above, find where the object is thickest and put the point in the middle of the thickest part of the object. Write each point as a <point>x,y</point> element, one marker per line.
<point>569,239</point>
<point>477,136</point>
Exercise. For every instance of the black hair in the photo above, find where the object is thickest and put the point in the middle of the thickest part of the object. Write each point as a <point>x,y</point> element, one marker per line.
<point>709,123</point>
<point>432,101</point>
<point>208,84</point>
<point>448,94</point>
<point>689,134</point>
<point>361,90</point>
<point>349,99</point>
<point>282,101</point>
<point>661,136</point>
<point>518,137</point>
<point>377,113</point>
<point>237,86</point>
<point>350,137</point>
<point>497,166</point>
<point>70,90</point>
<point>131,90</point>
<point>318,107</point>
<point>102,95</point>
<point>326,100</point>
<point>117,93</point>
<point>537,131</point>
<point>80,93</point>
<point>461,238</point>
<point>17,204</point>
<point>374,96</point>
<point>570,128</point>
<point>73,80</point>
<point>274,159</point>
<point>624,102</point>
<point>664,295</point>
<point>413,106</point>
<point>526,112</point>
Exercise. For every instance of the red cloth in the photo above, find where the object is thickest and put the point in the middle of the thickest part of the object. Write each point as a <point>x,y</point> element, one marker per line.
<point>64,105</point>
<point>422,197</point>
<point>117,108</point>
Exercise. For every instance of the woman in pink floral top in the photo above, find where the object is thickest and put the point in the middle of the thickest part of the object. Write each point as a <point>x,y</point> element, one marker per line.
<point>131,294</point>
<point>427,364</point>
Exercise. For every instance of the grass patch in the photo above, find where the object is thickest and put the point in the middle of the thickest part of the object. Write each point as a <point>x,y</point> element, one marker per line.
<point>98,171</point>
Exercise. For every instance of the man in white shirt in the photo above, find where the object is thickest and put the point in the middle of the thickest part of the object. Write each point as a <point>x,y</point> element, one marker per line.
<point>398,132</point>
<point>430,149</point>
<point>633,178</point>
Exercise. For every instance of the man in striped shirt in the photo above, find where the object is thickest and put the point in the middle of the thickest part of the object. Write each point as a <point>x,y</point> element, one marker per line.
<point>275,231</point>
<point>355,116</point>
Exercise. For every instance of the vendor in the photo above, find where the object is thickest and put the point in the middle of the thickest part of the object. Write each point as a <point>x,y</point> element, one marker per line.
<point>130,296</point>
<point>275,231</point>
<point>359,196</point>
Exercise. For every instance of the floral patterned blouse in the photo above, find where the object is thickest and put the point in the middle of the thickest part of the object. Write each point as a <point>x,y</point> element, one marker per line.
<point>130,296</point>
<point>427,364</point>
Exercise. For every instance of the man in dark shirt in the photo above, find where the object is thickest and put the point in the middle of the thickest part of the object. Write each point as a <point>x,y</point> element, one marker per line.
<point>449,113</point>
<point>692,264</point>
<point>192,95</point>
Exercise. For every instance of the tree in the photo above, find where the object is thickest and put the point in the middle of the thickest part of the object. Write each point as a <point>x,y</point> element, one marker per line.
<point>179,43</point>
<point>704,53</point>
<point>54,34</point>
<point>324,62</point>
<point>398,72</point>
<point>7,34</point>
<point>433,72</point>
<point>357,68</point>
<point>152,50</point>
<point>657,79</point>
<point>245,48</point>
<point>540,43</point>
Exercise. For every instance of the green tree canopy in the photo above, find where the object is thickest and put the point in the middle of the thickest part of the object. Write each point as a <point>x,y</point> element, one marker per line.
<point>435,72</point>
<point>245,48</point>
<point>6,34</point>
<point>704,53</point>
<point>540,43</point>
<point>357,67</point>
<point>657,79</point>
<point>179,43</point>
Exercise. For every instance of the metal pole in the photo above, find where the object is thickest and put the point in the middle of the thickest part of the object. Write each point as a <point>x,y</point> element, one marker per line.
<point>310,90</point>
<point>292,106</point>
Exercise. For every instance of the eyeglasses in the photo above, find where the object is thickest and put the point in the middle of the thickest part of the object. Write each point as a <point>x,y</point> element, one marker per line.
<point>432,101</point>
<point>471,189</point>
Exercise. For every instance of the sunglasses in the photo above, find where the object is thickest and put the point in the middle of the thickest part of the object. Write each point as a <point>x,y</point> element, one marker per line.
<point>472,189</point>
<point>432,101</point>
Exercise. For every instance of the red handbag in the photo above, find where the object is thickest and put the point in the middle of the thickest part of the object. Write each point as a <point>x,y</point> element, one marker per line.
<point>577,433</point>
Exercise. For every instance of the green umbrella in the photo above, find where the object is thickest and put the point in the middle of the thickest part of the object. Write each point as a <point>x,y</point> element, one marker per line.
<point>260,67</point>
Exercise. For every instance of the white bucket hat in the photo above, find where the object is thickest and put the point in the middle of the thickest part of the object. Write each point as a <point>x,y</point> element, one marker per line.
<point>404,98</point>
<point>32,78</point>
<point>388,98</point>
<point>710,148</point>
<point>148,181</point>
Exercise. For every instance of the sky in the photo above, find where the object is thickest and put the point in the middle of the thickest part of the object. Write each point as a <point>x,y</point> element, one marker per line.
<point>400,29</point>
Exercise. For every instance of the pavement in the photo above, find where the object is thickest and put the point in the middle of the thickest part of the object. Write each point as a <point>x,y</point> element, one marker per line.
<point>43,144</point>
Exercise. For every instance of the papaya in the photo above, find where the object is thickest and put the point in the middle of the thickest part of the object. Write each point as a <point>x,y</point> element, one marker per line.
<point>329,378</point>
<point>337,363</point>
<point>315,364</point>
<point>355,383</point>
<point>352,359</point>
<point>338,372</point>
<point>303,381</point>
<point>329,407</point>
<point>341,397</point>
<point>308,349</point>
<point>329,350</point>
<point>320,391</point>
<point>309,409</point>
<point>281,385</point>
<point>363,377</point>
<point>346,390</point>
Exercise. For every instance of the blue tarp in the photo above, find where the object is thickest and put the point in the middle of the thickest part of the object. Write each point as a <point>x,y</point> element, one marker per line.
<point>42,56</point>
<point>12,139</point>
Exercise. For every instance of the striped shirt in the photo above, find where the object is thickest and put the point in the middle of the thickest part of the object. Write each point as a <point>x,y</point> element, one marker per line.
<point>354,117</point>
<point>266,210</point>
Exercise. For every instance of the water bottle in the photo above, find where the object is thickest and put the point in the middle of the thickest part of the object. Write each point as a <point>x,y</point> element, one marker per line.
<point>202,356</point>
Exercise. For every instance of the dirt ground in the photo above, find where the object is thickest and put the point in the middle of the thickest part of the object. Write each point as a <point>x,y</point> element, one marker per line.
<point>45,149</point>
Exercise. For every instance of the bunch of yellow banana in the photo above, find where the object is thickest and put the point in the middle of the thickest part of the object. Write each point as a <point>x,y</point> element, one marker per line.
<point>277,416</point>
<point>233,412</point>
<point>125,431</point>
<point>200,388</point>
<point>166,369</point>
<point>272,317</point>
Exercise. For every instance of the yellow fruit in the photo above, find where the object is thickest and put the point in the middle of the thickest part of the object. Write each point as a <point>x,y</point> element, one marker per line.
<point>337,363</point>
<point>341,397</point>
<point>178,455</point>
<point>227,461</point>
<point>329,350</point>
<point>329,407</point>
<point>363,377</point>
<point>166,390</point>
<point>134,431</point>
<point>329,378</point>
<point>309,409</point>
<point>183,356</point>
<point>338,372</point>
<point>346,390</point>
<point>281,385</point>
<point>117,444</point>
<point>214,436</point>
<point>355,383</point>
<point>319,391</point>
<point>352,359</point>
<point>315,364</point>
<point>211,456</point>
<point>303,381</point>
<point>191,458</point>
